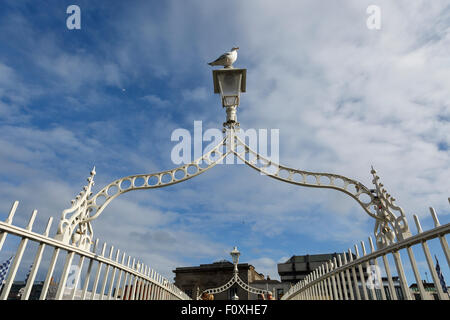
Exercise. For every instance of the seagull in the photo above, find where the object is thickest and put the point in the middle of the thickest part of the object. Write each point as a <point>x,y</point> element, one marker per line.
<point>227,59</point>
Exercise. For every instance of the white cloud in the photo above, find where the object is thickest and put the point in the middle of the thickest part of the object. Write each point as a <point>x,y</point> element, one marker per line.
<point>266,266</point>
<point>197,94</point>
<point>156,101</point>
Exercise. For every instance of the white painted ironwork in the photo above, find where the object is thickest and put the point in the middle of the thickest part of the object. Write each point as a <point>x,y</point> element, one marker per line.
<point>381,206</point>
<point>75,234</point>
<point>77,229</point>
<point>332,279</point>
<point>141,274</point>
<point>234,279</point>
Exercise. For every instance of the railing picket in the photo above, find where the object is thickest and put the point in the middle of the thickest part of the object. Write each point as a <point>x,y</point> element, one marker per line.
<point>333,281</point>
<point>144,285</point>
<point>329,283</point>
<point>401,275</point>
<point>431,267</point>
<point>349,280</point>
<point>105,277</point>
<point>126,287</point>
<point>308,294</point>
<point>36,263</point>
<point>88,273</point>
<point>48,278</point>
<point>113,276</point>
<point>130,281</point>
<point>361,276</point>
<point>325,283</point>
<point>355,277</point>
<point>139,284</point>
<point>367,265</point>
<point>338,279</point>
<point>12,212</point>
<point>16,261</point>
<point>135,281</point>
<point>442,239</point>
<point>119,279</point>
<point>392,292</point>
<point>64,275</point>
<point>342,274</point>
<point>8,220</point>
<point>380,280</point>
<point>97,275</point>
<point>316,293</point>
<point>147,283</point>
<point>320,284</point>
<point>77,277</point>
<point>153,293</point>
<point>415,269</point>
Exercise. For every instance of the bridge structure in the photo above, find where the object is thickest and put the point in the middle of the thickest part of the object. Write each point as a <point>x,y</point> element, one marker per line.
<point>127,278</point>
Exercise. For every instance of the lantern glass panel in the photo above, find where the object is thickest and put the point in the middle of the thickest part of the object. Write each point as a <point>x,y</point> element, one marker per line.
<point>230,83</point>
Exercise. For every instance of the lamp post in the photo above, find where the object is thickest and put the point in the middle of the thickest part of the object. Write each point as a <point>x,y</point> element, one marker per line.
<point>234,279</point>
<point>235,256</point>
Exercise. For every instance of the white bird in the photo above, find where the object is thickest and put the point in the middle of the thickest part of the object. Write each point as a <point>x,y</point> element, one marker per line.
<point>227,59</point>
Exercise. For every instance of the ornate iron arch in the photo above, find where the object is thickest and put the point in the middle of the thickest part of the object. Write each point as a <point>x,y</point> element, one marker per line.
<point>229,284</point>
<point>77,228</point>
<point>390,220</point>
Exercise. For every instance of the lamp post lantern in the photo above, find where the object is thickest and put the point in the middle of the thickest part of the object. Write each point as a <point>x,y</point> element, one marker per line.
<point>230,83</point>
<point>235,256</point>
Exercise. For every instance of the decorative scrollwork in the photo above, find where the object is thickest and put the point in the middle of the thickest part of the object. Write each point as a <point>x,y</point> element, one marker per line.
<point>229,284</point>
<point>389,226</point>
<point>75,230</point>
<point>78,230</point>
<point>379,205</point>
<point>155,180</point>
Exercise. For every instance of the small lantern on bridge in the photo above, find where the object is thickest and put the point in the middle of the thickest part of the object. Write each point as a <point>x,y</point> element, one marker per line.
<point>235,256</point>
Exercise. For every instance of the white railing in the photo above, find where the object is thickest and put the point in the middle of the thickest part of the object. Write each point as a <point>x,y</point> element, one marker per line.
<point>127,282</point>
<point>344,278</point>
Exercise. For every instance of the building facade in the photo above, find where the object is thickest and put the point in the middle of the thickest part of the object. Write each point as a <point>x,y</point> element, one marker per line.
<point>430,291</point>
<point>298,267</point>
<point>194,280</point>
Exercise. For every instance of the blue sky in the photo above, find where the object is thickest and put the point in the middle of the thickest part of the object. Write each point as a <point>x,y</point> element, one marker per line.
<point>343,97</point>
